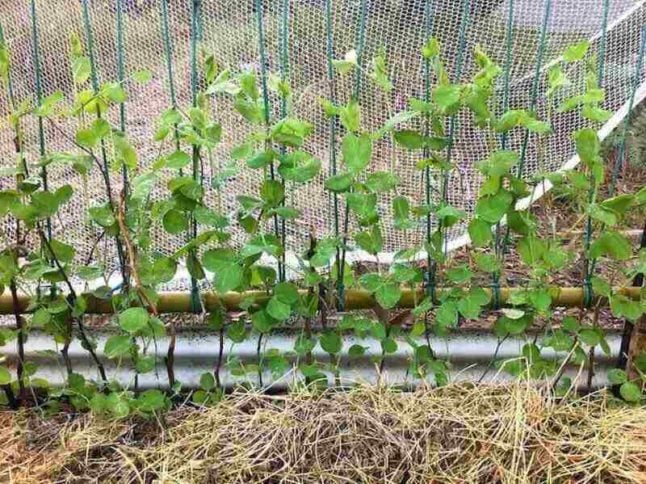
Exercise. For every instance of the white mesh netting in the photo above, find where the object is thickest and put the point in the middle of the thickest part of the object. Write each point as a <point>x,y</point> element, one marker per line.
<point>230,32</point>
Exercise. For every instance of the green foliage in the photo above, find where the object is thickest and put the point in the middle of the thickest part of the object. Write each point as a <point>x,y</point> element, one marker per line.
<point>277,150</point>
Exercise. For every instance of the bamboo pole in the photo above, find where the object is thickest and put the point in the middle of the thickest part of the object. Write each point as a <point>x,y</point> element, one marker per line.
<point>355,299</point>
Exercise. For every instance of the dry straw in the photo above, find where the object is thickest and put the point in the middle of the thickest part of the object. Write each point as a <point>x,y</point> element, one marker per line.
<point>453,434</point>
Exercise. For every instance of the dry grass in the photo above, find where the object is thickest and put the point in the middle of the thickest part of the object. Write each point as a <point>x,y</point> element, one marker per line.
<point>453,434</point>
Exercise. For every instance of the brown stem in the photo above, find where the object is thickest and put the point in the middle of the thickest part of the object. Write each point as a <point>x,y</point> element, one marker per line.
<point>131,262</point>
<point>624,362</point>
<point>218,364</point>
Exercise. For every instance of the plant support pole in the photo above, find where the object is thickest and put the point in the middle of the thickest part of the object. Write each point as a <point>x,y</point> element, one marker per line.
<point>177,302</point>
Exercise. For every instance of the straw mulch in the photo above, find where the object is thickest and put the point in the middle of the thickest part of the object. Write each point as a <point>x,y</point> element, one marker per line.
<point>454,434</point>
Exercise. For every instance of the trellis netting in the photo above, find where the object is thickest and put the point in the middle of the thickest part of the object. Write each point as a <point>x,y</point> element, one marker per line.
<point>299,37</point>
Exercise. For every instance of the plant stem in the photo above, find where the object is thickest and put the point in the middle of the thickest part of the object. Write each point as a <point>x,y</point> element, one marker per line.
<point>20,339</point>
<point>84,338</point>
<point>259,357</point>
<point>218,364</point>
<point>11,398</point>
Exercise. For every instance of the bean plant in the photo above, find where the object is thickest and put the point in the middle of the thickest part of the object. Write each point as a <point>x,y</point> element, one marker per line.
<point>170,193</point>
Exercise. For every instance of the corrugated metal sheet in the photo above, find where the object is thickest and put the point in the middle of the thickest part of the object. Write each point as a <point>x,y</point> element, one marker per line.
<point>469,354</point>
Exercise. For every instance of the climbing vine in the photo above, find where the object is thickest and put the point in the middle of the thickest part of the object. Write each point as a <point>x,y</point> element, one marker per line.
<point>309,292</point>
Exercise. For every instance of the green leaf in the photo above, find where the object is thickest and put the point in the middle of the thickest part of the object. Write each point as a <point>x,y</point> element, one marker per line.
<point>331,342</point>
<point>531,250</point>
<point>133,320</point>
<point>299,167</point>
<point>499,163</point>
<point>611,244</point>
<point>480,232</point>
<point>364,205</point>
<point>205,216</point>
<point>357,151</point>
<point>449,215</point>
<point>404,273</point>
<point>605,216</point>
<point>236,332</point>
<point>207,381</point>
<point>431,49</point>
<point>447,97</point>
<point>5,376</point>
<point>117,346</point>
<point>261,159</point>
<point>118,406</point>
<point>372,282</point>
<point>591,337</point>
<point>576,52</point>
<point>102,216</point>
<point>278,310</point>
<point>601,287</point>
<point>63,252</point>
<point>143,185</point>
<point>142,76</point>
<point>619,204</point>
<point>410,139</point>
<point>459,274</point>
<point>304,345</point>
<point>617,376</point>
<point>286,292</point>
<point>291,132</point>
<point>267,243</point>
<point>81,69</point>
<point>356,351</point>
<point>370,240</point>
<point>381,181</point>
<point>492,208</point>
<point>630,392</point>
<point>570,324</point>
<point>622,306</point>
<point>388,345</point>
<point>177,160</point>
<point>469,306</point>
<point>588,145</point>
<point>86,138</point>
<point>446,315</point>
<point>380,73</point>
<point>388,295</point>
<point>175,222</point>
<point>350,116</point>
<point>339,183</point>
<point>262,322</point>
<point>272,192</point>
<point>229,275</point>
<point>487,262</point>
<point>145,365</point>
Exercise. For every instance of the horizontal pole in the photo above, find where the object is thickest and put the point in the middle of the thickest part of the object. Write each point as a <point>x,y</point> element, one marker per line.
<point>470,354</point>
<point>181,302</point>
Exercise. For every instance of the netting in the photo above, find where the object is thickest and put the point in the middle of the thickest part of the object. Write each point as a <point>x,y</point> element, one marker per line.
<point>300,36</point>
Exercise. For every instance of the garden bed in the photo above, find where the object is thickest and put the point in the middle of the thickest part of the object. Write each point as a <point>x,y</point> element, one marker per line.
<point>453,434</point>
